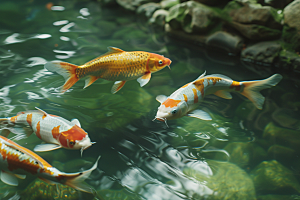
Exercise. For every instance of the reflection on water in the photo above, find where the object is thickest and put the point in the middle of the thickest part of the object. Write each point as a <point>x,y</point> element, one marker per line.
<point>140,158</point>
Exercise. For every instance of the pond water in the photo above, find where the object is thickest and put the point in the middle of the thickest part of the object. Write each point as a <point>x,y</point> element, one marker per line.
<point>243,153</point>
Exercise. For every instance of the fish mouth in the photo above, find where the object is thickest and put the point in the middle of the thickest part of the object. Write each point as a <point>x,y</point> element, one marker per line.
<point>162,120</point>
<point>86,147</point>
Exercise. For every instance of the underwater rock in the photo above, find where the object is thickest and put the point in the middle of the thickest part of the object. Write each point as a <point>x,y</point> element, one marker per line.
<point>117,195</point>
<point>211,2</point>
<point>271,176</point>
<point>192,17</point>
<point>287,118</point>
<point>282,136</point>
<point>245,154</point>
<point>289,60</point>
<point>227,181</point>
<point>148,9</point>
<point>42,190</point>
<point>291,32</point>
<point>281,153</point>
<point>223,40</point>
<point>278,197</point>
<point>265,52</point>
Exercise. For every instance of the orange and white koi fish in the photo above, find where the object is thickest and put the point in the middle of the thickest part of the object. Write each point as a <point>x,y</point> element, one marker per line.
<point>16,161</point>
<point>115,65</point>
<point>185,100</point>
<point>52,129</point>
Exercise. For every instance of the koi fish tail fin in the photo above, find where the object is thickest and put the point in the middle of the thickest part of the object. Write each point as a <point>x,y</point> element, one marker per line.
<point>75,180</point>
<point>67,70</point>
<point>252,88</point>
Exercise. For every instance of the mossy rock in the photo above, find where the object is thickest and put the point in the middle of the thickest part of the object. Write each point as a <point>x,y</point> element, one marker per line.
<point>271,176</point>
<point>225,180</point>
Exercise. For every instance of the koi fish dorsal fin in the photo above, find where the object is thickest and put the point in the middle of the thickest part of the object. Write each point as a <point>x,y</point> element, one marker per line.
<point>219,76</point>
<point>114,50</point>
<point>44,113</point>
<point>161,98</point>
<point>201,76</point>
<point>76,122</point>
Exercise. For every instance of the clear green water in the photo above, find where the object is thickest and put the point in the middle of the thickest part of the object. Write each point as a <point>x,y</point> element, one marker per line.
<point>141,158</point>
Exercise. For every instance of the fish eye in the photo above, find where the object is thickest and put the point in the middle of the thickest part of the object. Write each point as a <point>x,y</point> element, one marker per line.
<point>174,111</point>
<point>72,142</point>
<point>160,62</point>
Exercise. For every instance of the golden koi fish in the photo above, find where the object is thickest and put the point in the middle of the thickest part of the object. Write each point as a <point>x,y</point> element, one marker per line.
<point>55,130</point>
<point>15,161</point>
<point>115,65</point>
<point>185,100</point>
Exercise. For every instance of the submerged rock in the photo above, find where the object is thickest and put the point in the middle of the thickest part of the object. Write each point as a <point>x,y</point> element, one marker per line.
<point>226,180</point>
<point>265,52</point>
<point>148,9</point>
<point>223,40</point>
<point>42,190</point>
<point>278,197</point>
<point>281,153</point>
<point>291,32</point>
<point>245,154</point>
<point>271,176</point>
<point>192,17</point>
<point>282,136</point>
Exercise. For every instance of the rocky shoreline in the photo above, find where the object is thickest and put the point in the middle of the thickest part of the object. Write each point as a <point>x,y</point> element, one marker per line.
<point>264,33</point>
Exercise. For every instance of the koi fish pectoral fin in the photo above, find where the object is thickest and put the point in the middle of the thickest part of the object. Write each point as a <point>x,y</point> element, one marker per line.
<point>46,147</point>
<point>200,114</point>
<point>161,98</point>
<point>143,80</point>
<point>117,86</point>
<point>223,94</point>
<point>90,80</point>
<point>9,178</point>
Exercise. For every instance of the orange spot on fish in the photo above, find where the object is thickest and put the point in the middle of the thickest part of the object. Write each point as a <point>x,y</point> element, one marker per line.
<point>14,119</point>
<point>44,116</point>
<point>171,103</point>
<point>199,85</point>
<point>185,85</point>
<point>73,134</point>
<point>29,119</point>
<point>235,85</point>
<point>214,79</point>
<point>195,95</point>
<point>38,130</point>
<point>14,161</point>
<point>55,132</point>
<point>185,98</point>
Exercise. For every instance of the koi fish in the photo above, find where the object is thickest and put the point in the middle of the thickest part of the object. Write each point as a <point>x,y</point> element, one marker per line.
<point>185,100</point>
<point>52,129</point>
<point>115,65</point>
<point>15,161</point>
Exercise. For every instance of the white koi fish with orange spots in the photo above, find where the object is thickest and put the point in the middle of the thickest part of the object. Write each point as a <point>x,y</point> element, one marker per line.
<point>185,100</point>
<point>52,129</point>
<point>16,161</point>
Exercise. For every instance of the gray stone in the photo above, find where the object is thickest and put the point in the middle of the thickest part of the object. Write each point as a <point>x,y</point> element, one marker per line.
<point>159,17</point>
<point>262,52</point>
<point>291,32</point>
<point>281,4</point>
<point>223,40</point>
<point>227,180</point>
<point>256,32</point>
<point>192,17</point>
<point>271,176</point>
<point>166,4</point>
<point>256,14</point>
